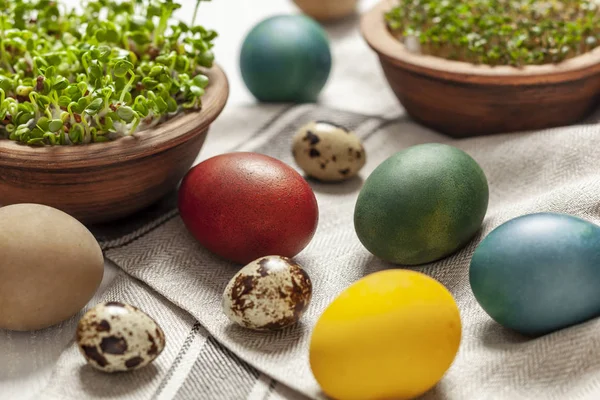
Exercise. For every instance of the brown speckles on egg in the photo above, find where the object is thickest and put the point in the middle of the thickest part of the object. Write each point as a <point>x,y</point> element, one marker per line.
<point>264,266</point>
<point>91,353</point>
<point>103,326</point>
<point>344,171</point>
<point>276,293</point>
<point>129,341</point>
<point>113,345</point>
<point>153,348</point>
<point>311,138</point>
<point>313,153</point>
<point>242,286</point>
<point>134,362</point>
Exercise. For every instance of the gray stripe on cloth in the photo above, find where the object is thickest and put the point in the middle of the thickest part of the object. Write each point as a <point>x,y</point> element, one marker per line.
<point>184,349</point>
<point>218,374</point>
<point>266,126</point>
<point>149,227</point>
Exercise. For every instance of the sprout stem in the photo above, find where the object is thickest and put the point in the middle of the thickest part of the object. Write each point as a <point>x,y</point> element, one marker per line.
<point>196,12</point>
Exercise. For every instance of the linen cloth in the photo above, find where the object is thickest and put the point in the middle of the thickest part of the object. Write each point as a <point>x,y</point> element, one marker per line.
<point>153,263</point>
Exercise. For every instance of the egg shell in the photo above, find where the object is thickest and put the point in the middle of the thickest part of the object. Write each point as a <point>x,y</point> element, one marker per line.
<point>286,58</point>
<point>327,10</point>
<point>421,204</point>
<point>242,206</point>
<point>328,152</point>
<point>539,273</point>
<point>270,293</point>
<point>50,266</point>
<point>390,335</point>
<point>117,337</point>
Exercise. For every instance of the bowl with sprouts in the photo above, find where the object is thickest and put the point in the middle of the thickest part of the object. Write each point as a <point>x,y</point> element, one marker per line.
<point>479,67</point>
<point>103,107</point>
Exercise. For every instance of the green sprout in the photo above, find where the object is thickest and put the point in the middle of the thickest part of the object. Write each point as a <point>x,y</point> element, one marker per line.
<point>94,75</point>
<point>498,32</point>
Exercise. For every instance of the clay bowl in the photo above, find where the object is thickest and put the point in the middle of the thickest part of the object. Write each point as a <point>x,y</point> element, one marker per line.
<point>102,182</point>
<point>327,10</point>
<point>462,99</point>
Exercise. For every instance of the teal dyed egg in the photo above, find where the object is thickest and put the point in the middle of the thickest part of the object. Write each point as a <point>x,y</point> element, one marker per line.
<point>539,273</point>
<point>286,58</point>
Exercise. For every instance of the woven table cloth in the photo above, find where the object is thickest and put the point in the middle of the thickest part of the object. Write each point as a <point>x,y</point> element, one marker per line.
<point>154,263</point>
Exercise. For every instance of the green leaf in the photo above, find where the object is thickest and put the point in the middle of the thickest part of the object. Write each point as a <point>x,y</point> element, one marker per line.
<point>171,105</point>
<point>100,35</point>
<point>149,83</point>
<point>50,72</point>
<point>161,105</point>
<point>197,91</point>
<point>104,53</point>
<point>50,137</point>
<point>95,71</point>
<point>156,70</point>
<point>76,133</point>
<point>122,67</point>
<point>94,107</point>
<point>43,101</point>
<point>35,141</point>
<point>112,36</point>
<point>206,59</point>
<point>201,81</point>
<point>55,125</point>
<point>43,123</point>
<point>140,38</point>
<point>60,83</point>
<point>126,114</point>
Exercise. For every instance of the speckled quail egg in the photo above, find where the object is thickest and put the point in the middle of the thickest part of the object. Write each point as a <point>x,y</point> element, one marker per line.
<point>328,152</point>
<point>116,337</point>
<point>268,294</point>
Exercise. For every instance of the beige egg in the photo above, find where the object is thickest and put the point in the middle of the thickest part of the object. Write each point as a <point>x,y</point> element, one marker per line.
<point>328,152</point>
<point>118,337</point>
<point>270,293</point>
<point>326,10</point>
<point>50,266</point>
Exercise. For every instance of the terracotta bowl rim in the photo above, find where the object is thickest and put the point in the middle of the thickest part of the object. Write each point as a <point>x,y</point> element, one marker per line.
<point>167,135</point>
<point>379,38</point>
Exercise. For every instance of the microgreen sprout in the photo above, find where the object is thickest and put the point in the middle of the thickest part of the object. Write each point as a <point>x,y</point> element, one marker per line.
<point>93,74</point>
<point>498,32</point>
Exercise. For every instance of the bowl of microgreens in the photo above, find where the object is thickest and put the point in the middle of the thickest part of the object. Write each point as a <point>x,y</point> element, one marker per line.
<point>478,67</point>
<point>103,108</point>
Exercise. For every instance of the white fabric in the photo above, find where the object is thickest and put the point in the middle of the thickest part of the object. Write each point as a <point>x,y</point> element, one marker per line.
<point>553,170</point>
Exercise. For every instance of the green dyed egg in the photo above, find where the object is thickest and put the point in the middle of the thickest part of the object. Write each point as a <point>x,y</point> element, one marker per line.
<point>539,273</point>
<point>286,58</point>
<point>421,205</point>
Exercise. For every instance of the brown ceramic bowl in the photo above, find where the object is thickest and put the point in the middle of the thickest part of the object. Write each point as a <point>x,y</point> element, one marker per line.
<point>327,10</point>
<point>101,182</point>
<point>463,99</point>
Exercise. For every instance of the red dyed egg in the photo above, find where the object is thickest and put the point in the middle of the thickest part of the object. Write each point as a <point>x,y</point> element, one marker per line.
<point>242,206</point>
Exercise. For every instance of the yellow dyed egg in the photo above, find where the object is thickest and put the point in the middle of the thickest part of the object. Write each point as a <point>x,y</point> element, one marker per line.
<point>391,335</point>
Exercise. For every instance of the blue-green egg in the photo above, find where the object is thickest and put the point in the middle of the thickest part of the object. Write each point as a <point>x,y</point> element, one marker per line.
<point>286,58</point>
<point>539,273</point>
